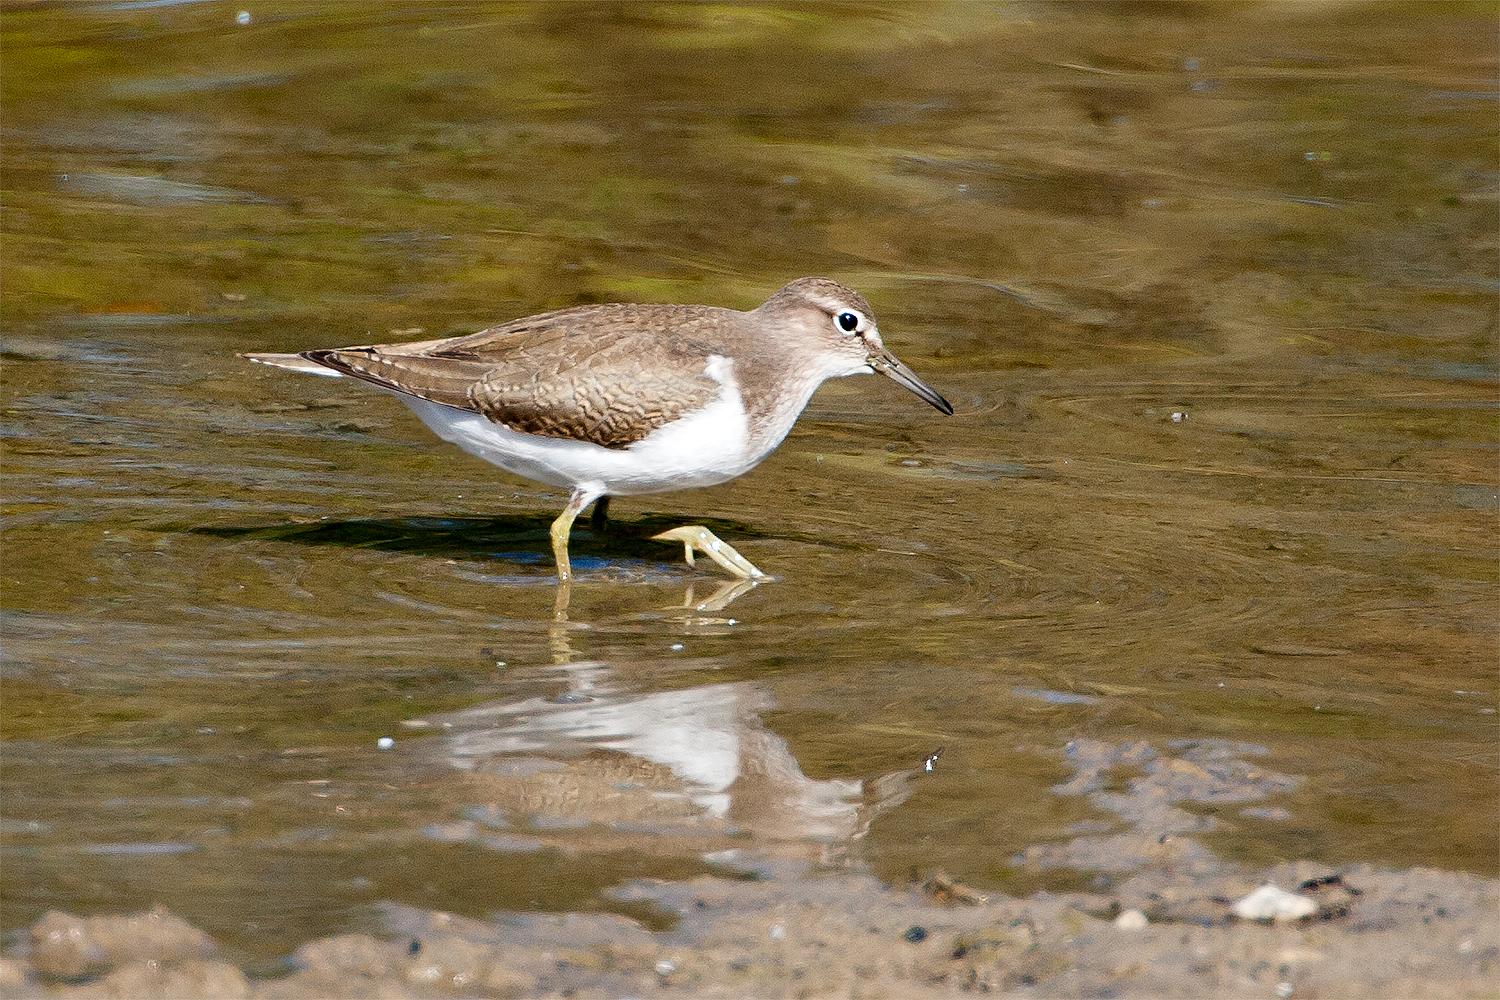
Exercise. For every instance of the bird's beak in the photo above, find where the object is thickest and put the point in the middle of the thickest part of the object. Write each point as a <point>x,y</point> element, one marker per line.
<point>887,364</point>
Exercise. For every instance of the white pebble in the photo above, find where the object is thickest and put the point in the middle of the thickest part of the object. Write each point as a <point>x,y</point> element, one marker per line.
<point>243,17</point>
<point>1272,903</point>
<point>665,968</point>
<point>1283,989</point>
<point>1132,920</point>
<point>1178,417</point>
<point>778,932</point>
<point>385,743</point>
<point>676,647</point>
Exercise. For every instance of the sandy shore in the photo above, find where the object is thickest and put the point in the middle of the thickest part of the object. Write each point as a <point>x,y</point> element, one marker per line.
<point>790,933</point>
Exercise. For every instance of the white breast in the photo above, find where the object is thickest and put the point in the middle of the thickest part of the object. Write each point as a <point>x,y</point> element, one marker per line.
<point>707,446</point>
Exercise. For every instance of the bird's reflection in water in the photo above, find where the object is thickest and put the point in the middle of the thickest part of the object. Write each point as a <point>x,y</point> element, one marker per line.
<point>727,592</point>
<point>604,758</point>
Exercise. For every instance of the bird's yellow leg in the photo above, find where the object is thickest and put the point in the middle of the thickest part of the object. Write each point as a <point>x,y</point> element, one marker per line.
<point>561,528</point>
<point>693,536</point>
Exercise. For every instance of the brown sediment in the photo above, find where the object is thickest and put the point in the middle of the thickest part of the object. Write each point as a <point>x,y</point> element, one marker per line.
<point>1415,933</point>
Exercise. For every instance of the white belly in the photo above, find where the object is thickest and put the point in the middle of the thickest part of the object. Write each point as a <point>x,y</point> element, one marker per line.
<point>708,446</point>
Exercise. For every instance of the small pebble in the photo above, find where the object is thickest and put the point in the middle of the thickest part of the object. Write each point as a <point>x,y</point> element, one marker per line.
<point>665,968</point>
<point>1132,920</point>
<point>385,743</point>
<point>1283,989</point>
<point>676,647</point>
<point>1272,903</point>
<point>1178,417</point>
<point>778,932</point>
<point>915,933</point>
<point>242,18</point>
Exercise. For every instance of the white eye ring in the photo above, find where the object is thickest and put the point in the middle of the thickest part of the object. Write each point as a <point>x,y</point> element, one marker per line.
<point>848,321</point>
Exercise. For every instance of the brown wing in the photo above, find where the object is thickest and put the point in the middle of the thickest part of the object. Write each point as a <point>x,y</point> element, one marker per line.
<point>605,374</point>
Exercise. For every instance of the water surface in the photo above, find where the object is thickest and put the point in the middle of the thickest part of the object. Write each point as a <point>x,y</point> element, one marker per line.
<point>1213,291</point>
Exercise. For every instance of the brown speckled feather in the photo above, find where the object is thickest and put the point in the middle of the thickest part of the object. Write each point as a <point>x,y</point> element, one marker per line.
<point>606,374</point>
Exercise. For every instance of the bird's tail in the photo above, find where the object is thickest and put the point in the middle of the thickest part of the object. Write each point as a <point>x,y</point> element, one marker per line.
<point>294,362</point>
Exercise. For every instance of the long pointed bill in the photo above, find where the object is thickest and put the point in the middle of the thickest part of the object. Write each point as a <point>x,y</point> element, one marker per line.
<point>886,363</point>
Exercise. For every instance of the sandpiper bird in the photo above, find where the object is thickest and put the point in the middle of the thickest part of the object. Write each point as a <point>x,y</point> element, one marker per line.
<point>620,400</point>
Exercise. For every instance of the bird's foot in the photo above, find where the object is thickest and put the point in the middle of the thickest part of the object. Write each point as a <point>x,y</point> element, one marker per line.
<point>693,536</point>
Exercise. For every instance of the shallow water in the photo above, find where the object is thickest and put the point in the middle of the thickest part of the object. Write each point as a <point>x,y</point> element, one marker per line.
<point>1213,290</point>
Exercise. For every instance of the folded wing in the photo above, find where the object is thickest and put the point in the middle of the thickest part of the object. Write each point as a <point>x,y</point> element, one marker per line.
<point>602,374</point>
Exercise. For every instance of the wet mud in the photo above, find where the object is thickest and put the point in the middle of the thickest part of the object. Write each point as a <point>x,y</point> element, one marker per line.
<point>795,933</point>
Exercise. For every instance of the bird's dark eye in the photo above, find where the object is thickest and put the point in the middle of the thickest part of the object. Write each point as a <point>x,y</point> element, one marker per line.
<point>847,321</point>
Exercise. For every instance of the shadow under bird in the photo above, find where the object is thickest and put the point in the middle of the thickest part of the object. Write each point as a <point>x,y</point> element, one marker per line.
<point>621,400</point>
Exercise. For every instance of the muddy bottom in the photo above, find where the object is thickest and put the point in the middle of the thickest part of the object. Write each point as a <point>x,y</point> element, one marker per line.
<point>787,931</point>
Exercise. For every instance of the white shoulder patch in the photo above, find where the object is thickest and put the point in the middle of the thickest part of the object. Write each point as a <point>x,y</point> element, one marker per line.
<point>720,369</point>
